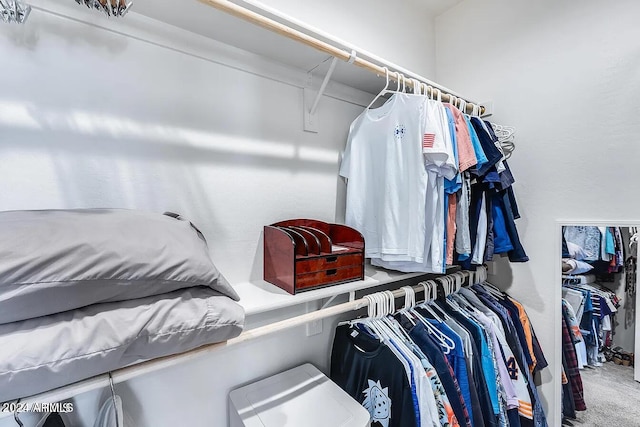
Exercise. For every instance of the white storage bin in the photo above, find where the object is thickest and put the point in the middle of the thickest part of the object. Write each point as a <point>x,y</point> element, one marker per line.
<point>300,397</point>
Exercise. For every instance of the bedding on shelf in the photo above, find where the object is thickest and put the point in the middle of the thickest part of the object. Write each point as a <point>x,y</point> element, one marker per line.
<point>75,258</point>
<point>85,292</point>
<point>40,354</point>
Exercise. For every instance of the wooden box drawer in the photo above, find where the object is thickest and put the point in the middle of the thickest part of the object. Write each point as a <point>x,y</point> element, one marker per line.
<point>327,263</point>
<point>328,277</point>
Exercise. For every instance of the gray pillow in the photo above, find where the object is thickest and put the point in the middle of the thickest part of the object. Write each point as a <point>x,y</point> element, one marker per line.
<point>40,354</point>
<point>57,260</point>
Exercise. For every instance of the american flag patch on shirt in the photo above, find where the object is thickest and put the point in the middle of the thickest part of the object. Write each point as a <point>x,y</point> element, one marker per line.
<point>428,140</point>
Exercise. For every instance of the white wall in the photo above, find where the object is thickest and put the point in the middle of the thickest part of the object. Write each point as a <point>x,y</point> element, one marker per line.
<point>149,117</point>
<point>401,32</point>
<point>567,76</point>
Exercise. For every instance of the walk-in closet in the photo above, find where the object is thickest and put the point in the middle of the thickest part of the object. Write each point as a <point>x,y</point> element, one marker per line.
<point>297,213</point>
<point>599,268</point>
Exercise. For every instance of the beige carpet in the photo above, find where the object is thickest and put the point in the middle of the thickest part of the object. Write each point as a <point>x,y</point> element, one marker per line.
<point>612,397</point>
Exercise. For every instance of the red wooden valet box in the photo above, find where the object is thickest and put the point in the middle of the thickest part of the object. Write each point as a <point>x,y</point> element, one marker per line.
<point>305,254</point>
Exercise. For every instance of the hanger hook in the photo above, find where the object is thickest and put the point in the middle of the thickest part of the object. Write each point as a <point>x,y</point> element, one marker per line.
<point>16,417</point>
<point>433,289</point>
<point>386,87</point>
<point>113,390</point>
<point>406,296</point>
<point>113,396</point>
<point>378,305</point>
<point>443,282</point>
<point>425,289</point>
<point>386,305</point>
<point>370,306</point>
<point>410,297</point>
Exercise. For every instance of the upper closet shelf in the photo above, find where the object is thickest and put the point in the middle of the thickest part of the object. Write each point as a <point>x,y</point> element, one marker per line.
<point>259,296</point>
<point>257,28</point>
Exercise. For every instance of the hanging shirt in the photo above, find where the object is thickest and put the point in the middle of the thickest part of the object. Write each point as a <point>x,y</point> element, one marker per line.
<point>456,358</point>
<point>420,336</point>
<point>453,185</point>
<point>481,233</point>
<point>492,153</point>
<point>370,373</point>
<point>463,234</point>
<point>440,164</point>
<point>481,158</point>
<point>502,241</point>
<point>387,179</point>
<point>466,153</point>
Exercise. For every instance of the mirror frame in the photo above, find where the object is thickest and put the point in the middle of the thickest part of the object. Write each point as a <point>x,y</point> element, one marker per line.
<point>557,304</point>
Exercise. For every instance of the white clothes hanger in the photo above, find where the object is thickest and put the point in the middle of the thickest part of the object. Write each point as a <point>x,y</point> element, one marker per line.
<point>384,90</point>
<point>409,303</point>
<point>372,312</point>
<point>444,281</point>
<point>399,82</point>
<point>428,289</point>
<point>391,302</point>
<point>463,106</point>
<point>434,306</point>
<point>111,413</point>
<point>425,89</point>
<point>463,277</point>
<point>390,322</point>
<point>446,343</point>
<point>417,87</point>
<point>455,283</point>
<point>372,322</point>
<point>16,417</point>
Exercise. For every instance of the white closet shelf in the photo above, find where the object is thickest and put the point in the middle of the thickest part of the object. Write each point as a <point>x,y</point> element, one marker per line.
<point>202,19</point>
<point>260,296</point>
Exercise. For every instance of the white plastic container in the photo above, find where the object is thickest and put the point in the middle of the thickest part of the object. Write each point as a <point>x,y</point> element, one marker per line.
<point>300,397</point>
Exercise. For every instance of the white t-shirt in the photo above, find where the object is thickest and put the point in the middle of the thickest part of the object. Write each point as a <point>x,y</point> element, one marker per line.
<point>440,163</point>
<point>387,179</point>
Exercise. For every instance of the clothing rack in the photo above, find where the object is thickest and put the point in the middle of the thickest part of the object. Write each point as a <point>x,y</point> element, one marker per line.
<point>129,372</point>
<point>339,53</point>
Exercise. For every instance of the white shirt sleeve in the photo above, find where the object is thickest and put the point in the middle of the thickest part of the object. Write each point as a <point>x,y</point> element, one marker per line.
<point>437,145</point>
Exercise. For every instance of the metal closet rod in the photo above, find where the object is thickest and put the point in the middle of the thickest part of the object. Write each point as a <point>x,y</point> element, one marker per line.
<point>129,372</point>
<point>296,35</point>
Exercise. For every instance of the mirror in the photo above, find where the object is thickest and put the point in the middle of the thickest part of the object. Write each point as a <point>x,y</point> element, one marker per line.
<point>598,325</point>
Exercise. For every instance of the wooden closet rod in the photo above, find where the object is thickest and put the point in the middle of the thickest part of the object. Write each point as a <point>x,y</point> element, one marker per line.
<point>129,372</point>
<point>293,34</point>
